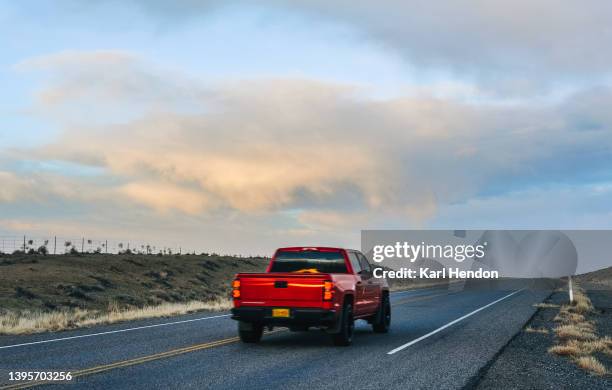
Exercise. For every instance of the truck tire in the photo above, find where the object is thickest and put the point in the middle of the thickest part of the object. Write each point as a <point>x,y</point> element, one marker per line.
<point>382,320</point>
<point>347,324</point>
<point>250,333</point>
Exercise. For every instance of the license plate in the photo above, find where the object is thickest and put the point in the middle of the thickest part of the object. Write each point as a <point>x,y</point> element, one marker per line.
<point>280,312</point>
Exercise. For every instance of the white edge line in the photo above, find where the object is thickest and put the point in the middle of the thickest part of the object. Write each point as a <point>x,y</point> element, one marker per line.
<point>129,329</point>
<point>111,332</point>
<point>450,324</point>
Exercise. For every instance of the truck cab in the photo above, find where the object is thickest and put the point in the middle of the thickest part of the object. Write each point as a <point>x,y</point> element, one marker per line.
<point>306,287</point>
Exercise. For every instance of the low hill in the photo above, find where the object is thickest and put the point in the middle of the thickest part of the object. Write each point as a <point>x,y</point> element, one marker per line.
<point>600,279</point>
<point>95,281</point>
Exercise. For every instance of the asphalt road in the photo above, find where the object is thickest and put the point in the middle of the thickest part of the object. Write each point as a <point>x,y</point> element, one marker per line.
<point>440,338</point>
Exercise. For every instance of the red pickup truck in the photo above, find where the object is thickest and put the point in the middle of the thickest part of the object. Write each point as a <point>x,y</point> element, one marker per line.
<point>306,287</point>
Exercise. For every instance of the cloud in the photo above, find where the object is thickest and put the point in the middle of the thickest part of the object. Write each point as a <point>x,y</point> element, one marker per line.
<point>566,207</point>
<point>74,60</point>
<point>110,83</point>
<point>164,197</point>
<point>522,36</point>
<point>512,48</point>
<point>331,219</point>
<point>38,187</point>
<point>13,187</point>
<point>327,150</point>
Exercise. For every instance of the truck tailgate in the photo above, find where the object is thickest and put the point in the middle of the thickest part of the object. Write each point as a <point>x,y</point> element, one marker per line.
<point>273,288</point>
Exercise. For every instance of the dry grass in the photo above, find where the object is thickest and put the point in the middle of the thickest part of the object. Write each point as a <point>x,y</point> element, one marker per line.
<point>591,364</point>
<point>543,305</point>
<point>564,350</point>
<point>35,322</point>
<point>598,345</point>
<point>578,336</point>
<point>582,303</point>
<point>582,306</point>
<point>581,331</point>
<point>582,348</point>
<point>567,317</point>
<point>529,329</point>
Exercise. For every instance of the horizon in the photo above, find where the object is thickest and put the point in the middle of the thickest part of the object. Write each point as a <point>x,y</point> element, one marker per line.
<point>239,127</point>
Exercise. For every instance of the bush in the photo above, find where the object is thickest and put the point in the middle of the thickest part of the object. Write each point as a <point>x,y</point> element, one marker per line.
<point>21,292</point>
<point>42,250</point>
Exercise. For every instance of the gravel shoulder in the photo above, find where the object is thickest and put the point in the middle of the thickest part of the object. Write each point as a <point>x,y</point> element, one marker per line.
<point>524,363</point>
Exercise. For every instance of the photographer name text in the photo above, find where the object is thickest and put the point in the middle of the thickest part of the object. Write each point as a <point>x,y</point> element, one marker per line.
<point>427,273</point>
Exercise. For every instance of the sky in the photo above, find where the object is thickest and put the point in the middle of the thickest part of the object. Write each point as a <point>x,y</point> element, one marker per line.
<point>240,126</point>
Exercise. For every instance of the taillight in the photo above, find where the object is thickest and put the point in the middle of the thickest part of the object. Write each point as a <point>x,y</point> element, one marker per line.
<point>328,290</point>
<point>236,289</point>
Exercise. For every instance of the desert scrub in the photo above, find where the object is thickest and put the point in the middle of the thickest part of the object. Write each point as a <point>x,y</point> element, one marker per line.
<point>26,322</point>
<point>530,329</point>
<point>565,316</point>
<point>578,331</point>
<point>577,337</point>
<point>591,364</point>
<point>543,305</point>
<point>564,350</point>
<point>582,303</point>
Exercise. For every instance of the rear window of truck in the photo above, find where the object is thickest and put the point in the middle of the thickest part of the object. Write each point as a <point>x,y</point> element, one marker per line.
<point>309,262</point>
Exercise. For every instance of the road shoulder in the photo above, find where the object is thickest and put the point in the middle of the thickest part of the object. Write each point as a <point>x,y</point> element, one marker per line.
<point>526,363</point>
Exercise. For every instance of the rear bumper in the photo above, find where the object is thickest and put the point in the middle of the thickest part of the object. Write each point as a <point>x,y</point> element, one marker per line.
<point>297,316</point>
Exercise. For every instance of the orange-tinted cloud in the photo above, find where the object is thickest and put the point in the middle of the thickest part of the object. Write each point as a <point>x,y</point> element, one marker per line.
<point>279,145</point>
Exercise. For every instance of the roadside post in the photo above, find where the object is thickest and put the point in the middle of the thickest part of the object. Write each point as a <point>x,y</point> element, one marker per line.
<point>571,291</point>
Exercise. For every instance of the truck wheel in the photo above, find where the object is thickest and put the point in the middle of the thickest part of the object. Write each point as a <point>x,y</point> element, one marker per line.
<point>250,333</point>
<point>347,324</point>
<point>382,320</point>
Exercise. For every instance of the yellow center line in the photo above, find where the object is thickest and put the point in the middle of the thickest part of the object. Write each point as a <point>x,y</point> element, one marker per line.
<point>132,362</point>
<point>168,354</point>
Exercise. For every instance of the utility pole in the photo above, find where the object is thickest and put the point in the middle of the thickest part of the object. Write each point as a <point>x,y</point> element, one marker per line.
<point>54,244</point>
<point>82,244</point>
<point>106,246</point>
